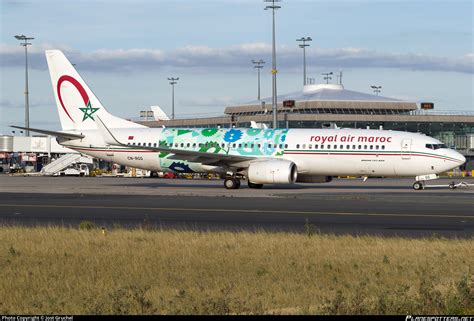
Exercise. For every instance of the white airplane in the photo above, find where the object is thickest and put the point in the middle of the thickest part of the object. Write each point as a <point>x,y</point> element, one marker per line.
<point>261,155</point>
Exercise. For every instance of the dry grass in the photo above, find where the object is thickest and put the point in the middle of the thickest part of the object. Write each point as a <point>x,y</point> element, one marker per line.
<point>72,271</point>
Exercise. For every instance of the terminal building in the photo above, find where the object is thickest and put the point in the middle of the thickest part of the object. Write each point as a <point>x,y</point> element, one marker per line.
<point>331,105</point>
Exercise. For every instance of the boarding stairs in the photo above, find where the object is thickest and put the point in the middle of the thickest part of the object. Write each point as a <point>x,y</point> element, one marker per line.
<point>63,162</point>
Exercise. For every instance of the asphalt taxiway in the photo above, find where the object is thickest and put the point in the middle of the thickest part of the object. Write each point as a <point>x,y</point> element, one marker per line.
<point>377,206</point>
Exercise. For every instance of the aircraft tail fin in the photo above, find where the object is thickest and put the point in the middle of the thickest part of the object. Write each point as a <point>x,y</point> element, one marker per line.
<point>77,105</point>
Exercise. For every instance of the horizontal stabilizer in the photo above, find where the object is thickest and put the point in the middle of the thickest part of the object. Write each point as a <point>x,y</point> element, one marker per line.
<point>68,136</point>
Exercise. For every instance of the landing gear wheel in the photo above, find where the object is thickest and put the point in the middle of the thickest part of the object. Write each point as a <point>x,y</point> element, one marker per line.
<point>231,183</point>
<point>252,185</point>
<point>417,186</point>
<point>452,185</point>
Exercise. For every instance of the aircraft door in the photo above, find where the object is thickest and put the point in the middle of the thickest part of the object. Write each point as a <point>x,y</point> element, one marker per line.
<point>406,148</point>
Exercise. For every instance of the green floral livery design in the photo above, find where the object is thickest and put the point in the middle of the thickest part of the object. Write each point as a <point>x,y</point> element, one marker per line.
<point>233,141</point>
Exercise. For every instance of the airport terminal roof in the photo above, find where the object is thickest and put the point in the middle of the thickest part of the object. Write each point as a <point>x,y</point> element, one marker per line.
<point>330,96</point>
<point>327,92</point>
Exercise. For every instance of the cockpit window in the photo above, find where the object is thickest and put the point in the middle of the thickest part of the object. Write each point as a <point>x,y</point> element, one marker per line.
<point>435,146</point>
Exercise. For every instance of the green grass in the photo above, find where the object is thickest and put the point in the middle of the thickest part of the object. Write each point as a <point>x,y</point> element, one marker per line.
<point>82,271</point>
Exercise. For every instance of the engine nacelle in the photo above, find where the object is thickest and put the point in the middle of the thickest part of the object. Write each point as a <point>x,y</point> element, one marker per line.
<point>314,179</point>
<point>273,171</point>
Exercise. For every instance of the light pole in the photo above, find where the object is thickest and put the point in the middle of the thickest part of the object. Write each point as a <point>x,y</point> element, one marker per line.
<point>173,81</point>
<point>274,70</point>
<point>376,89</point>
<point>258,65</point>
<point>327,76</point>
<point>339,77</point>
<point>304,45</point>
<point>27,103</point>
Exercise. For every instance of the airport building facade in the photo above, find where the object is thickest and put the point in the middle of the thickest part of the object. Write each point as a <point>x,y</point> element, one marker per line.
<point>331,105</point>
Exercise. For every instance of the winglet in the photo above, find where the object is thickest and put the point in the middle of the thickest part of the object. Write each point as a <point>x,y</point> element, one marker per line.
<point>107,135</point>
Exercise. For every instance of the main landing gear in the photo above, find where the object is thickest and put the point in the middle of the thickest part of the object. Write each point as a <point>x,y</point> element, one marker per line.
<point>233,182</point>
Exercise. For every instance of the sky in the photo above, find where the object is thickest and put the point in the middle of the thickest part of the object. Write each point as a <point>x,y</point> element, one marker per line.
<point>417,50</point>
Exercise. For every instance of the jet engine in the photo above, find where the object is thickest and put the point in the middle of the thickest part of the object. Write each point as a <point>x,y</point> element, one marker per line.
<point>273,171</point>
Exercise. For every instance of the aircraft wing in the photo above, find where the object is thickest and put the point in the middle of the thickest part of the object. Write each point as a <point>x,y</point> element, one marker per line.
<point>180,154</point>
<point>68,136</point>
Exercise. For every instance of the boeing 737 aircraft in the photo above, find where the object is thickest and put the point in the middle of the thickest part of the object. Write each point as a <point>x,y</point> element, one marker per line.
<point>262,156</point>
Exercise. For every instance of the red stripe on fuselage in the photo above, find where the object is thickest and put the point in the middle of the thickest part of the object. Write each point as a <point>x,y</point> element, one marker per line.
<point>370,154</point>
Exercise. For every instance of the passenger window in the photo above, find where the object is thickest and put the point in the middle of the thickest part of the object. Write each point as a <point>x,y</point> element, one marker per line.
<point>315,146</point>
<point>348,147</point>
<point>377,147</point>
<point>297,146</point>
<point>154,145</point>
<point>304,146</point>
<point>335,146</point>
<point>240,145</point>
<point>269,145</point>
<point>286,145</point>
<point>245,145</point>
<point>360,146</point>
<point>310,146</point>
<point>371,146</point>
<point>139,144</point>
<point>223,145</point>
<point>182,144</point>
<point>275,146</point>
<point>259,146</point>
<point>383,146</point>
<point>322,146</point>
<point>194,145</point>
<point>329,146</point>
<point>353,146</point>
<point>280,146</point>
<point>252,145</point>
<point>365,146</point>
<point>233,145</point>
<point>189,145</point>
<point>200,144</point>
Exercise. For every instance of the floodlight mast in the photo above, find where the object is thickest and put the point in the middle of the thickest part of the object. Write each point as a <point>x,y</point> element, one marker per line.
<point>327,76</point>
<point>304,45</point>
<point>258,65</point>
<point>274,70</point>
<point>376,89</point>
<point>27,102</point>
<point>173,81</point>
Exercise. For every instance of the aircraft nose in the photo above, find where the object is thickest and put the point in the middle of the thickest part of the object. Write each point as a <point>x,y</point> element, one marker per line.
<point>458,156</point>
<point>461,158</point>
